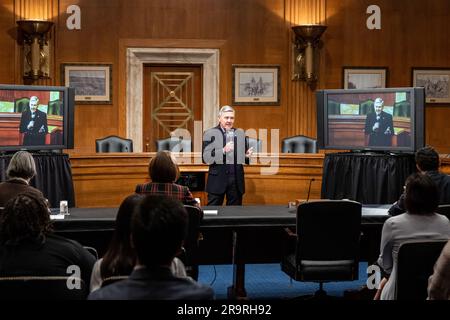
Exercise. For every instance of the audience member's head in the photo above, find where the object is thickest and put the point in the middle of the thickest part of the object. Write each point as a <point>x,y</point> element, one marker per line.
<point>24,217</point>
<point>427,159</point>
<point>158,229</point>
<point>421,194</point>
<point>120,258</point>
<point>21,166</point>
<point>163,168</point>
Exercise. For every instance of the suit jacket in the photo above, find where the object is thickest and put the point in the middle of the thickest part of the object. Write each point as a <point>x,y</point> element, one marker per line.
<point>156,283</point>
<point>441,180</point>
<point>171,190</point>
<point>11,188</point>
<point>378,137</point>
<point>214,156</point>
<point>35,135</point>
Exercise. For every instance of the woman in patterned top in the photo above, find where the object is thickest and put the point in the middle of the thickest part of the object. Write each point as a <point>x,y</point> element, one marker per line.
<point>163,172</point>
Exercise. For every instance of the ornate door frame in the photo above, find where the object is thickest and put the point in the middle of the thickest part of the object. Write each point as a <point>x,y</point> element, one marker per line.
<point>135,60</point>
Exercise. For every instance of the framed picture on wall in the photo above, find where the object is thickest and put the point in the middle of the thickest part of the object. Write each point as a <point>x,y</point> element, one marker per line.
<point>436,82</point>
<point>92,82</point>
<point>256,85</point>
<point>364,77</point>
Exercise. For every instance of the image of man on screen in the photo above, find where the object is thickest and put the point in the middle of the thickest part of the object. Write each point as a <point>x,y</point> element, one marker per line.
<point>33,124</point>
<point>379,127</point>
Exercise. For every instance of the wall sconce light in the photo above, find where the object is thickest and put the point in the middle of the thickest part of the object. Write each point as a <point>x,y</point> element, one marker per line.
<point>306,55</point>
<point>36,49</point>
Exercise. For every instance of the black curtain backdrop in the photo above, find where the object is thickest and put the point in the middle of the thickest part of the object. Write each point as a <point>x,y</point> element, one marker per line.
<point>53,178</point>
<point>367,178</point>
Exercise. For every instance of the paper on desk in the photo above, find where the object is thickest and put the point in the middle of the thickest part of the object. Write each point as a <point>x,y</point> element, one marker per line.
<point>375,211</point>
<point>210,212</point>
<point>56,217</point>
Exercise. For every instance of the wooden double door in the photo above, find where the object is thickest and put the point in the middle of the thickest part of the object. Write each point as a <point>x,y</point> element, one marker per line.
<point>172,100</point>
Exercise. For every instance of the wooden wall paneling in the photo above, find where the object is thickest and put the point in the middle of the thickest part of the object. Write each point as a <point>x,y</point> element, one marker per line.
<point>8,36</point>
<point>302,104</point>
<point>256,32</point>
<point>253,30</point>
<point>404,41</point>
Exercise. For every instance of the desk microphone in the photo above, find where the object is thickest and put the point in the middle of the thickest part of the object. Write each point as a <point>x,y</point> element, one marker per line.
<point>309,189</point>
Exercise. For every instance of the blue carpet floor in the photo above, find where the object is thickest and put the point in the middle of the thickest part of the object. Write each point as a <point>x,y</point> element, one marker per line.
<point>267,281</point>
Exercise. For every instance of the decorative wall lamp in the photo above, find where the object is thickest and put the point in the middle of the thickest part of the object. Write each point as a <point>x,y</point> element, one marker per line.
<point>36,48</point>
<point>306,53</point>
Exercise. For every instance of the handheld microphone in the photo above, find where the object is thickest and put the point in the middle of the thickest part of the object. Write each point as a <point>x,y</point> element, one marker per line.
<point>309,189</point>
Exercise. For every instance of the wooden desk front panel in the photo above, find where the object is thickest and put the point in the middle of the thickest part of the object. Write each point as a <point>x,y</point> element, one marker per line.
<point>105,179</point>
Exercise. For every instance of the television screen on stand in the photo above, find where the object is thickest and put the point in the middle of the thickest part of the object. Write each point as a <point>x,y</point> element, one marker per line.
<point>36,118</point>
<point>380,120</point>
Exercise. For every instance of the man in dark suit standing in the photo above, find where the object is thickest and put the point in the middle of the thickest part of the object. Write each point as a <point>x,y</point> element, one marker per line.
<point>379,126</point>
<point>225,151</point>
<point>33,124</point>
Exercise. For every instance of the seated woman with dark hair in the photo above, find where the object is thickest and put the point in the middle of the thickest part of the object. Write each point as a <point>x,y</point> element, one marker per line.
<point>120,258</point>
<point>20,171</point>
<point>163,171</point>
<point>419,222</point>
<point>28,247</point>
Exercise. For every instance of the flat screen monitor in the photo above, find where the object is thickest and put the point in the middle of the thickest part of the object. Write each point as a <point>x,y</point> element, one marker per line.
<point>36,117</point>
<point>390,119</point>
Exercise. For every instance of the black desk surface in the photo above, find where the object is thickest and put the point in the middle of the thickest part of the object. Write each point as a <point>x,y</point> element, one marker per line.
<point>232,216</point>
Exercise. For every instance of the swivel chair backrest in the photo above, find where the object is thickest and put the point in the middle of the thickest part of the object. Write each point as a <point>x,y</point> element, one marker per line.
<point>299,144</point>
<point>173,144</point>
<point>255,143</point>
<point>416,260</point>
<point>113,144</point>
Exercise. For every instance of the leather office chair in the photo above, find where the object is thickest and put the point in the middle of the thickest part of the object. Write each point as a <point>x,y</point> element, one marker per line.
<point>334,107</point>
<point>255,143</point>
<point>299,144</point>
<point>54,108</point>
<point>173,144</point>
<point>21,105</point>
<point>325,246</point>
<point>113,144</point>
<point>402,109</point>
<point>41,288</point>
<point>366,107</point>
<point>415,264</point>
<point>189,255</point>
